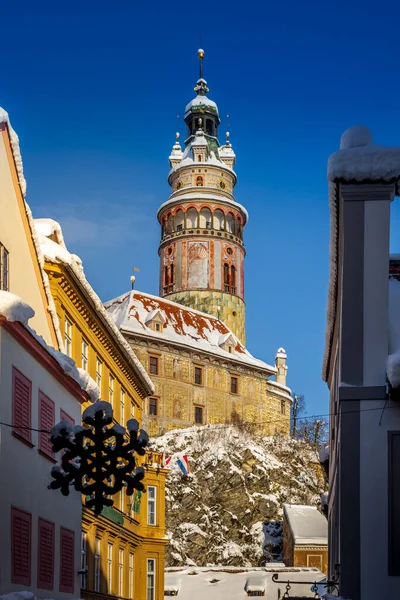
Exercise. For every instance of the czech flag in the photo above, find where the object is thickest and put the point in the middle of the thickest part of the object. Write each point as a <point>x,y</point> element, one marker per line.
<point>183,464</point>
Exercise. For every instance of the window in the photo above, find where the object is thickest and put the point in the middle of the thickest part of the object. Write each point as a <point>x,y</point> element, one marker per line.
<point>97,565</point>
<point>132,410</point>
<point>85,355</point>
<point>111,390</point>
<point>151,579</point>
<point>65,417</point>
<point>120,572</point>
<point>158,327</point>
<point>198,376</point>
<point>131,575</point>
<point>22,406</point>
<point>283,407</point>
<point>68,337</point>
<point>109,568</point>
<point>67,561</point>
<point>153,365</point>
<point>99,373</point>
<point>122,407</point>
<point>153,406</point>
<point>46,422</point>
<point>151,504</point>
<point>233,280</point>
<point>198,414</point>
<point>234,385</point>
<point>4,269</point>
<point>226,277</point>
<point>45,576</point>
<point>83,560</point>
<point>21,531</point>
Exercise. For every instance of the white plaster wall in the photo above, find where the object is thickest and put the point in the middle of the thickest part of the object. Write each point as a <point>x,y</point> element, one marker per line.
<point>25,474</point>
<point>375,582</point>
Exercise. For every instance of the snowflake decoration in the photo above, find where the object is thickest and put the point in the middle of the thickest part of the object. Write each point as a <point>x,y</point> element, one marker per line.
<point>98,460</point>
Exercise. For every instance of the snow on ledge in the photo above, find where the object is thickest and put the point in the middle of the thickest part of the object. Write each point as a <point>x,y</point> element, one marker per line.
<point>13,308</point>
<point>4,118</point>
<point>359,159</point>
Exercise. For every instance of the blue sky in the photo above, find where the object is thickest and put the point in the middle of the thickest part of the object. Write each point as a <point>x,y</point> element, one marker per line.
<point>94,89</point>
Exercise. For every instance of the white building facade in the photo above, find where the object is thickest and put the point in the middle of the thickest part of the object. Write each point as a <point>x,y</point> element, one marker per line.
<point>364,494</point>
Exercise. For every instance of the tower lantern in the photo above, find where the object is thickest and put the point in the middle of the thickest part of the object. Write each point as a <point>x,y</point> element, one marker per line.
<point>201,249</point>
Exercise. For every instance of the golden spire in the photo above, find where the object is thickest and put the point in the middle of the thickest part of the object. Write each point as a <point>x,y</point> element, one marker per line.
<point>200,54</point>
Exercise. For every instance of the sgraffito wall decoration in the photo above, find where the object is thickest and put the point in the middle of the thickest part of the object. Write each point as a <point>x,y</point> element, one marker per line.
<point>198,265</point>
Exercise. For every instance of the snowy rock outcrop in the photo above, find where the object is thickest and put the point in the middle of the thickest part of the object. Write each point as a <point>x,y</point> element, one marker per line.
<point>228,510</point>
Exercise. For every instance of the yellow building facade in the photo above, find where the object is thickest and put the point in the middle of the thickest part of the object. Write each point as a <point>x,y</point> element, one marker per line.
<point>201,372</point>
<point>122,550</point>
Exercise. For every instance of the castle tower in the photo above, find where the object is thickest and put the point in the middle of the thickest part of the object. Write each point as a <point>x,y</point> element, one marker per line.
<point>201,249</point>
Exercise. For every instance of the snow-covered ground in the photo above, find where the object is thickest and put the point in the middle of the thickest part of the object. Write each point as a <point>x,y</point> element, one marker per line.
<point>221,583</point>
<point>228,510</point>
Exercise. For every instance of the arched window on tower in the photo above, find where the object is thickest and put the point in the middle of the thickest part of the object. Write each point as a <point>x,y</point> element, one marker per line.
<point>199,160</point>
<point>239,228</point>
<point>230,223</point>
<point>233,280</point>
<point>219,220</point>
<point>169,274</point>
<point>205,218</point>
<point>199,180</point>
<point>191,218</point>
<point>179,220</point>
<point>226,278</point>
<point>168,224</point>
<point>209,127</point>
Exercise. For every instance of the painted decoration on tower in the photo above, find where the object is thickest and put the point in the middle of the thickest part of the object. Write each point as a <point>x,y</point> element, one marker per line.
<point>198,265</point>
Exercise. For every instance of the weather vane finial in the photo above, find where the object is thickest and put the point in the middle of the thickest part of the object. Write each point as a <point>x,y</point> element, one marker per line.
<point>200,54</point>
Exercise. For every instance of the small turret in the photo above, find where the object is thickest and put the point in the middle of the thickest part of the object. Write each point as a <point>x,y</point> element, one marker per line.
<point>227,154</point>
<point>280,363</point>
<point>176,155</point>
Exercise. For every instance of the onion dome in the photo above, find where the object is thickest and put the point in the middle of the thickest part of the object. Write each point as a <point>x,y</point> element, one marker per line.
<point>202,106</point>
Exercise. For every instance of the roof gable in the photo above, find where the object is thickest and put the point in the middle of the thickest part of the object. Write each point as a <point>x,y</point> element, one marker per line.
<point>17,234</point>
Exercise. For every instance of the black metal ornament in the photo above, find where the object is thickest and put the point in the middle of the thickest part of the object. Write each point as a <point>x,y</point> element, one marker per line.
<point>98,460</point>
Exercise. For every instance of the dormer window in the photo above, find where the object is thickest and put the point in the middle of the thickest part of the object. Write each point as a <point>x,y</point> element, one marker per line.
<point>228,342</point>
<point>155,320</point>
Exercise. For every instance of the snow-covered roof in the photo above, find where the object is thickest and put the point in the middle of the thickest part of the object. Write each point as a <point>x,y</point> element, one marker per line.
<point>221,583</point>
<point>357,160</point>
<point>57,253</point>
<point>199,102</point>
<point>4,118</point>
<point>13,308</point>
<point>307,525</point>
<point>184,326</point>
